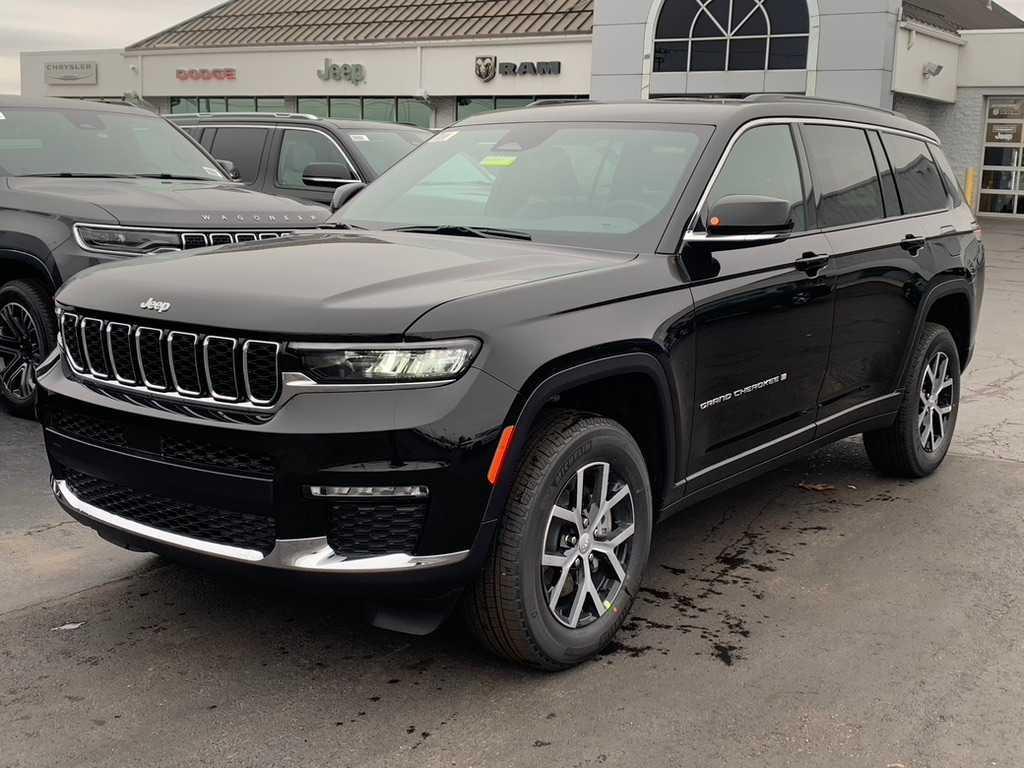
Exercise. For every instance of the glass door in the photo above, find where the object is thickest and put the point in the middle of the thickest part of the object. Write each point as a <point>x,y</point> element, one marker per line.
<point>1002,174</point>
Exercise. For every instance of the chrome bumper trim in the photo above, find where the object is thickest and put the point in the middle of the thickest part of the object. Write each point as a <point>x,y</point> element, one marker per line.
<point>312,555</point>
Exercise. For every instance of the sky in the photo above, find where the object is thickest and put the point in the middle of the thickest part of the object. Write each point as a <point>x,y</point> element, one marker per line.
<point>41,25</point>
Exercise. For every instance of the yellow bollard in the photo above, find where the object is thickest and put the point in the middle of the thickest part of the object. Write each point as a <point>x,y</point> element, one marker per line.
<point>971,187</point>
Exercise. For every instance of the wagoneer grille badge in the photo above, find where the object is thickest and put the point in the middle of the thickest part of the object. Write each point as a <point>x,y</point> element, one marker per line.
<point>214,369</point>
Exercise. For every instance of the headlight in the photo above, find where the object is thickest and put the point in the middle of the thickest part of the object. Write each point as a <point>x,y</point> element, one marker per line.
<point>130,242</point>
<point>386,363</point>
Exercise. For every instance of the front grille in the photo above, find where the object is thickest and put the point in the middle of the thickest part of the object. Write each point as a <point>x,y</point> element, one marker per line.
<point>227,370</point>
<point>190,240</point>
<point>219,526</point>
<point>92,429</point>
<point>209,454</point>
<point>376,528</point>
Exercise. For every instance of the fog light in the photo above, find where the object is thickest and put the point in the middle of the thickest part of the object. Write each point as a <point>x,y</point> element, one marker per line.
<point>368,492</point>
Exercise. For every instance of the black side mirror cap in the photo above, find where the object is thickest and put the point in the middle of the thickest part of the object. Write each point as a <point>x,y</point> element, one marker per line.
<point>750,215</point>
<point>327,175</point>
<point>229,168</point>
<point>345,193</point>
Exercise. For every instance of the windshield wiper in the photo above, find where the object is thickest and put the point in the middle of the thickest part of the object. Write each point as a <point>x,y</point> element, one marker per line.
<point>175,177</point>
<point>338,225</point>
<point>459,230</point>
<point>70,175</point>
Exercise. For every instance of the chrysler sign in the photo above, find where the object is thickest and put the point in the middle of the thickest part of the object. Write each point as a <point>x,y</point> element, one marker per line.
<point>70,72</point>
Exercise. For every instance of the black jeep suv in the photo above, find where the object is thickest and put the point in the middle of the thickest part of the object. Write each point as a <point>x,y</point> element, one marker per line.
<point>301,156</point>
<point>82,183</point>
<point>672,298</point>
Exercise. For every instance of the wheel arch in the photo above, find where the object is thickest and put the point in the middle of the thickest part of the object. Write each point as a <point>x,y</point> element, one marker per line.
<point>950,304</point>
<point>25,265</point>
<point>574,383</point>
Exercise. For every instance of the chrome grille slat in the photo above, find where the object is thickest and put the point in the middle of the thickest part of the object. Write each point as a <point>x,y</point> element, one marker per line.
<point>192,239</point>
<point>201,370</point>
<point>183,364</point>
<point>95,350</point>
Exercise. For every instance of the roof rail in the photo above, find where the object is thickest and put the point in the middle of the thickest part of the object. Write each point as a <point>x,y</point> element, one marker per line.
<point>769,98</point>
<point>556,102</point>
<point>201,115</point>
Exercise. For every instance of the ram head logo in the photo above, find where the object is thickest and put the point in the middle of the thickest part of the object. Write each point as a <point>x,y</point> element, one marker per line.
<point>486,67</point>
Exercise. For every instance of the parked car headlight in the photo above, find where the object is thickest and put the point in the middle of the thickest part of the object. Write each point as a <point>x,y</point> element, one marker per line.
<point>386,363</point>
<point>123,240</point>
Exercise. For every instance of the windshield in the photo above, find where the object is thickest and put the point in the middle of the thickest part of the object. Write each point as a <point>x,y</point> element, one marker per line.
<point>81,141</point>
<point>606,185</point>
<point>382,149</point>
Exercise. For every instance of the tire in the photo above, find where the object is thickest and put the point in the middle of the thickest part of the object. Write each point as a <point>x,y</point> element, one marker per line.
<point>28,332</point>
<point>508,607</point>
<point>904,449</point>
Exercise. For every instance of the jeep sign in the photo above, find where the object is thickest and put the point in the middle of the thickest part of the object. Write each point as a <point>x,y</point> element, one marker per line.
<point>352,73</point>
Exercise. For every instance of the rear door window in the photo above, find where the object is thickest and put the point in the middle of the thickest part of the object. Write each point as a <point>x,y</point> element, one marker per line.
<point>917,177</point>
<point>243,147</point>
<point>763,163</point>
<point>300,148</point>
<point>889,194</point>
<point>843,169</point>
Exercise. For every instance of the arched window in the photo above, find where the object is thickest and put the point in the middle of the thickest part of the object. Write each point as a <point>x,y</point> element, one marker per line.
<point>731,35</point>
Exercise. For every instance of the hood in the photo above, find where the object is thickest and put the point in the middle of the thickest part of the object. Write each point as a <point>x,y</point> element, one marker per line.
<point>177,204</point>
<point>322,284</point>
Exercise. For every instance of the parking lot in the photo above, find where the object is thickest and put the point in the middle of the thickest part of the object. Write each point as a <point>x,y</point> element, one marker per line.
<point>822,615</point>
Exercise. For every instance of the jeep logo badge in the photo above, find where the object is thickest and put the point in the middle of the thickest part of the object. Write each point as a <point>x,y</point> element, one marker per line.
<point>155,306</point>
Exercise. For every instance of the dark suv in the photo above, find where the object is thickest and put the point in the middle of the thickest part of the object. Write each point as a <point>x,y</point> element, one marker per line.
<point>301,156</point>
<point>673,298</point>
<point>83,183</point>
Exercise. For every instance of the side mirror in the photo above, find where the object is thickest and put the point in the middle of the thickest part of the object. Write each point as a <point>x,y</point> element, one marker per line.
<point>327,175</point>
<point>750,215</point>
<point>345,193</point>
<point>229,168</point>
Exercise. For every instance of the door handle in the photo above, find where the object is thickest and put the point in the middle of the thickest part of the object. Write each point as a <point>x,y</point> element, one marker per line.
<point>913,244</point>
<point>812,263</point>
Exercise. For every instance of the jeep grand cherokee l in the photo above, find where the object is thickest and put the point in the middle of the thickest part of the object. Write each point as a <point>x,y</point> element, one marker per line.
<point>83,183</point>
<point>527,343</point>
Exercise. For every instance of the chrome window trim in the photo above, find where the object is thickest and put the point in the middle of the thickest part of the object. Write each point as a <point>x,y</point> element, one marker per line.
<point>170,361</point>
<point>277,371</point>
<point>142,368</point>
<point>690,235</point>
<point>310,555</point>
<point>234,368</point>
<point>85,348</point>
<point>131,350</point>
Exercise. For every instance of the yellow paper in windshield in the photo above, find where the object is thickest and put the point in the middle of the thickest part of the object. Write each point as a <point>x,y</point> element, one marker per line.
<point>499,161</point>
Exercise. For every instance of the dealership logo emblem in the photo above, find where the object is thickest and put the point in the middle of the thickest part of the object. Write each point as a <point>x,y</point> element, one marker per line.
<point>155,306</point>
<point>220,73</point>
<point>352,73</point>
<point>486,67</point>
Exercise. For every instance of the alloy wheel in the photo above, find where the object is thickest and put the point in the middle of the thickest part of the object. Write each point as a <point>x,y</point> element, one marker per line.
<point>20,351</point>
<point>935,403</point>
<point>587,545</point>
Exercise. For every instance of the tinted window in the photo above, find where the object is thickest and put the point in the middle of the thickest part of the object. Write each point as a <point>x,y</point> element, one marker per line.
<point>382,149</point>
<point>917,176</point>
<point>948,176</point>
<point>889,195</point>
<point>243,147</point>
<point>844,175</point>
<point>301,148</point>
<point>763,162</point>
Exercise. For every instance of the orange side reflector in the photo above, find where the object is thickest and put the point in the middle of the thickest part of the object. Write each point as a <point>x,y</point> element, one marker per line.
<point>715,221</point>
<point>498,462</point>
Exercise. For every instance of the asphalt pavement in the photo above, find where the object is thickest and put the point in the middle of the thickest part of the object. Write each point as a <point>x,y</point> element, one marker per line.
<point>875,624</point>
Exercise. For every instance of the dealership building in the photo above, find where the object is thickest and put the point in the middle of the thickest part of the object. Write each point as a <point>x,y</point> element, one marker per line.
<point>955,65</point>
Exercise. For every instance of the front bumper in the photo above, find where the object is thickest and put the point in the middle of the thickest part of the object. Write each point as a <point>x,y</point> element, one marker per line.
<point>167,466</point>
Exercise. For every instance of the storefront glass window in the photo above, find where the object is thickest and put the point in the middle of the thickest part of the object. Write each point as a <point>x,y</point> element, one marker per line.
<point>241,105</point>
<point>467,107</point>
<point>270,105</point>
<point>507,102</point>
<point>731,35</point>
<point>213,105</point>
<point>415,112</point>
<point>381,110</point>
<point>314,106</point>
<point>1002,176</point>
<point>347,109</point>
<point>184,106</point>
